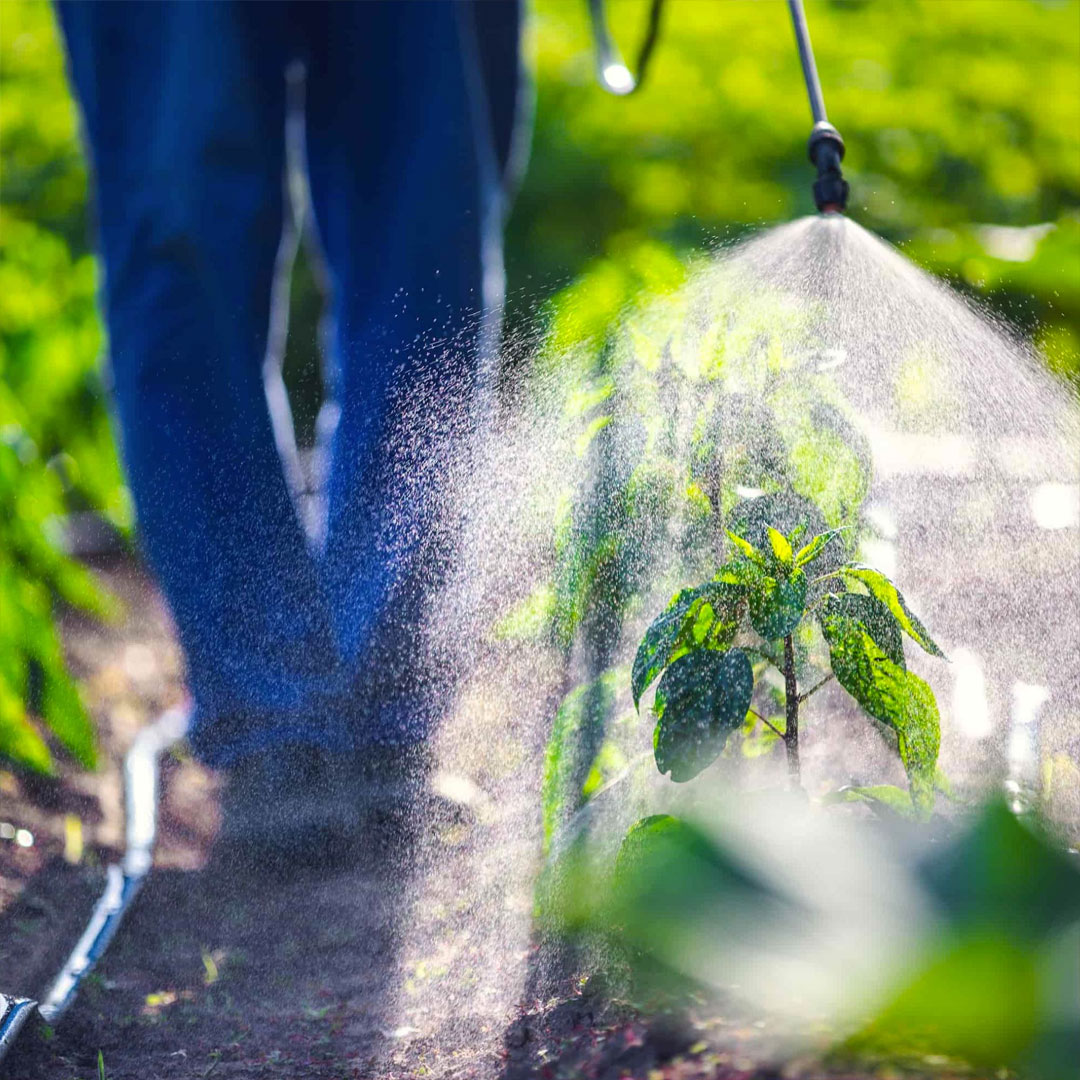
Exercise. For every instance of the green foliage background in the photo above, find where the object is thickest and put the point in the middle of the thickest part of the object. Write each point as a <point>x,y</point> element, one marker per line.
<point>958,115</point>
<point>962,119</point>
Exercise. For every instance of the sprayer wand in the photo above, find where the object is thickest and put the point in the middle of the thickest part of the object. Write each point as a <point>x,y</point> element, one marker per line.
<point>826,147</point>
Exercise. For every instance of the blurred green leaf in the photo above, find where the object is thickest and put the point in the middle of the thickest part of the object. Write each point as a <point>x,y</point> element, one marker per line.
<point>577,737</point>
<point>884,798</point>
<point>1004,875</point>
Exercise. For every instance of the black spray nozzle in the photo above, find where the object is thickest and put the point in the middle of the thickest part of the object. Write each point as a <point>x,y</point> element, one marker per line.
<point>826,149</point>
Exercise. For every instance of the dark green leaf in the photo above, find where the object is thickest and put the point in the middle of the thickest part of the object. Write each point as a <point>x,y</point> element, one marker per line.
<point>777,607</point>
<point>885,591</point>
<point>701,699</point>
<point>702,617</point>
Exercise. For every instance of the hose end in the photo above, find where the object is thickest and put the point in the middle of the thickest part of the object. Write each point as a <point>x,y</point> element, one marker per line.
<point>826,149</point>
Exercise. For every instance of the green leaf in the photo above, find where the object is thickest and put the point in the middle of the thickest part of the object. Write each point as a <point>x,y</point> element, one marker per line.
<point>1005,873</point>
<point>919,735</point>
<point>886,799</point>
<point>885,591</point>
<point>529,620</point>
<point>976,998</point>
<point>898,698</point>
<point>812,550</point>
<point>748,550</point>
<point>703,617</point>
<point>577,736</point>
<point>781,547</point>
<point>19,741</point>
<point>784,511</point>
<point>701,699</point>
<point>739,572</point>
<point>674,886</point>
<point>64,712</point>
<point>777,607</point>
<point>873,616</point>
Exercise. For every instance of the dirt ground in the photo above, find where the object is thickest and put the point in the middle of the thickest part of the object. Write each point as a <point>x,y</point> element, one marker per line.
<point>395,966</point>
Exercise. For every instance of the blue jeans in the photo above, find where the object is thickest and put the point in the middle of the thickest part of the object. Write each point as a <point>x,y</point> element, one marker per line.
<point>408,109</point>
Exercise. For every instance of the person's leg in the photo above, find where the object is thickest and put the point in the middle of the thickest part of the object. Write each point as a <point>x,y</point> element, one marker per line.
<point>407,201</point>
<point>184,109</point>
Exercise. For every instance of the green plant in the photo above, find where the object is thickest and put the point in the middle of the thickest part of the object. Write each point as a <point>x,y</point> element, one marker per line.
<point>694,397</point>
<point>56,448</point>
<point>34,575</point>
<point>775,582</point>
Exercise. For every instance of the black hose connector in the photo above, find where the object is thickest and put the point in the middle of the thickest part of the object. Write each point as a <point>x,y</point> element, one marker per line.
<point>826,149</point>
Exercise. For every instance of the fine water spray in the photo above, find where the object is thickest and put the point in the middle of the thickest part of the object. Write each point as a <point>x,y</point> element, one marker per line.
<point>826,147</point>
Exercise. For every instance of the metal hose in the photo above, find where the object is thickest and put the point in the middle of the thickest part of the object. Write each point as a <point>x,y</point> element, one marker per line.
<point>122,883</point>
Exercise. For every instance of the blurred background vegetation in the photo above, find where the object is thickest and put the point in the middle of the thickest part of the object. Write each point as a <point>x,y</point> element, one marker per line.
<point>962,121</point>
<point>961,118</point>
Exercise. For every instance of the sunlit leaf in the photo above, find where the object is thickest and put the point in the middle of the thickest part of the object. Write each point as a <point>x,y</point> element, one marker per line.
<point>889,693</point>
<point>976,999</point>
<point>812,550</point>
<point>886,799</point>
<point>748,550</point>
<point>873,616</point>
<point>19,741</point>
<point>885,591</point>
<point>780,546</point>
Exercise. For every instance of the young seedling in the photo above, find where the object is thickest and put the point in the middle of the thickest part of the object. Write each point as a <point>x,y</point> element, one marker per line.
<point>760,598</point>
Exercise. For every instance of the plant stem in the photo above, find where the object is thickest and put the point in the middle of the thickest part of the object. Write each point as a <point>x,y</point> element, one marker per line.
<point>791,701</point>
<point>814,689</point>
<point>775,730</point>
